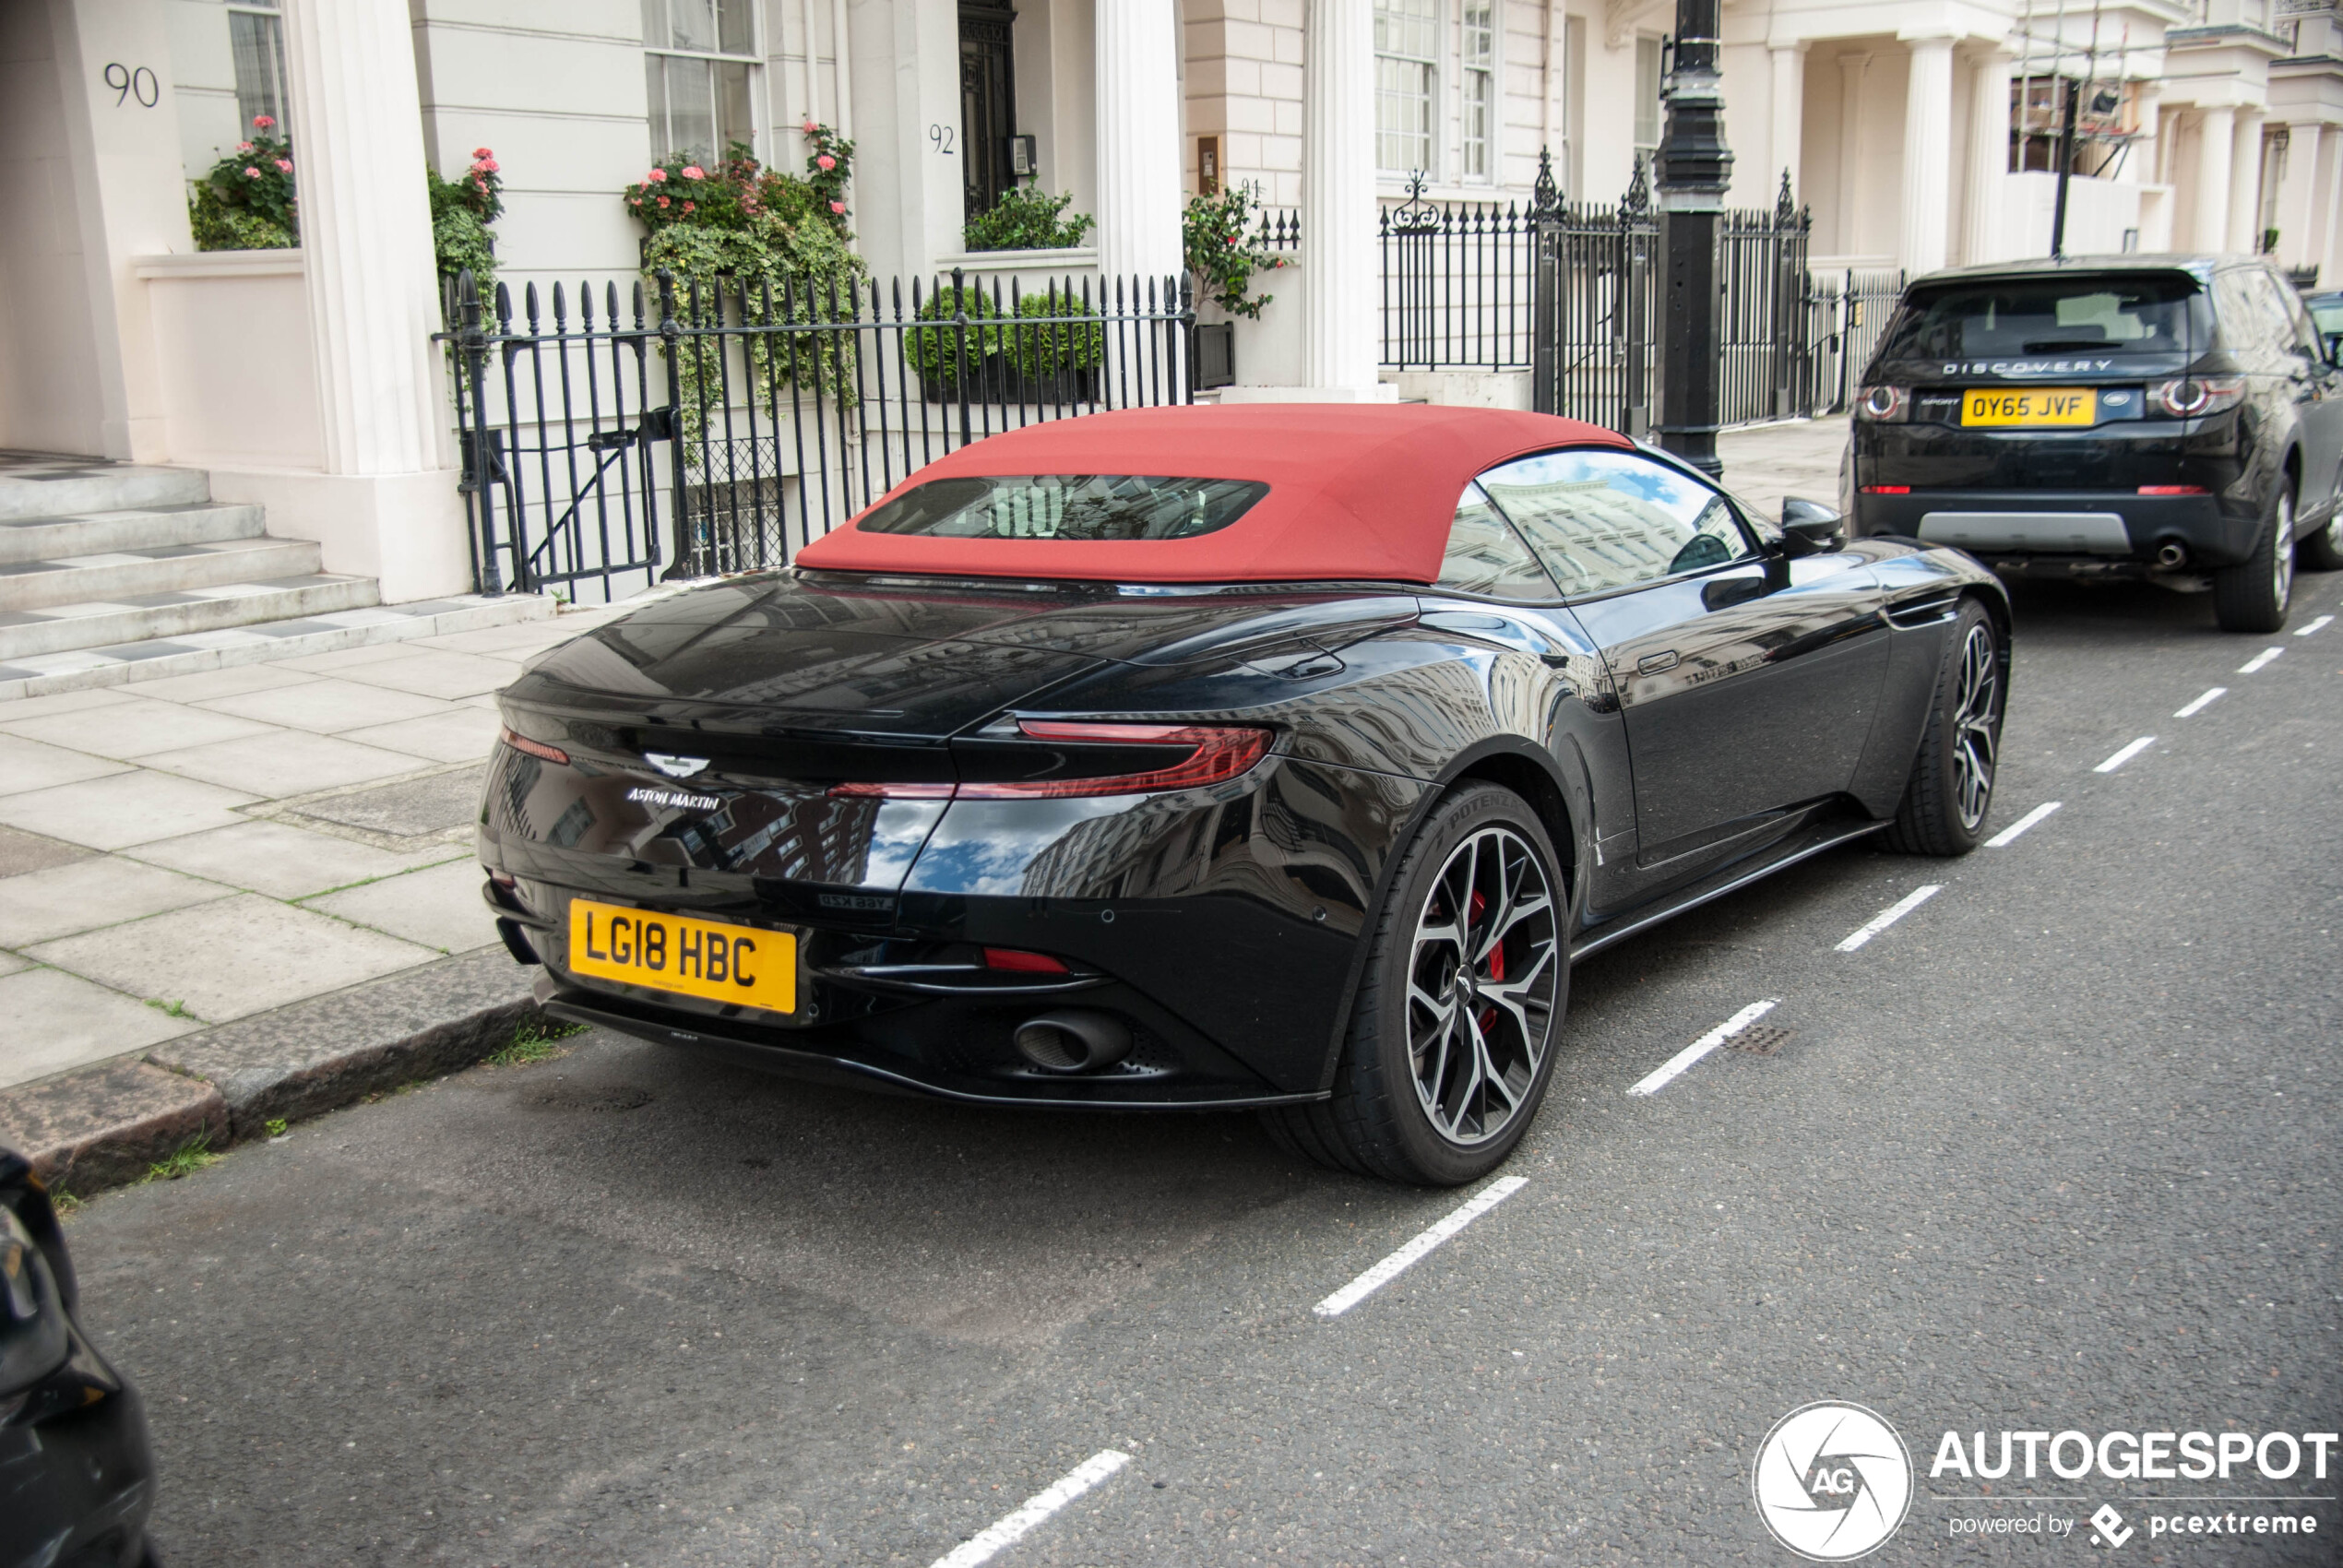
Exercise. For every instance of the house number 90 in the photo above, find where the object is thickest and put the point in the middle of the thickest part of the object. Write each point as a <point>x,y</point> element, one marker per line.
<point>127,84</point>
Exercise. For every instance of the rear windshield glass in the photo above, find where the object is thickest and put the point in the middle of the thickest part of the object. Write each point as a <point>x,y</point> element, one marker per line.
<point>2146,314</point>
<point>1066,506</point>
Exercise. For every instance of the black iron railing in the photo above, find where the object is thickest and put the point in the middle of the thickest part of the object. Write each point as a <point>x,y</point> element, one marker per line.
<point>718,428</point>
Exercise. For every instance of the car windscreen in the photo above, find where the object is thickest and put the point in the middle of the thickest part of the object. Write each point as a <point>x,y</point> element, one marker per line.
<point>1068,506</point>
<point>2328,313</point>
<point>2123,314</point>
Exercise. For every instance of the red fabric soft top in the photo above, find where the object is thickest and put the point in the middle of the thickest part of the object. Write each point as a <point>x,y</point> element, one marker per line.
<point>1357,492</point>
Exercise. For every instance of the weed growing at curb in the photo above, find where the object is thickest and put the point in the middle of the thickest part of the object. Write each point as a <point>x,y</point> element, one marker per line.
<point>184,1161</point>
<point>533,1041</point>
<point>62,1202</point>
<point>274,1126</point>
<point>176,1009</point>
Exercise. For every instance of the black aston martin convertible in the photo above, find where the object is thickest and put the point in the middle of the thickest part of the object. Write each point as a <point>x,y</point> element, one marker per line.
<point>1280,757</point>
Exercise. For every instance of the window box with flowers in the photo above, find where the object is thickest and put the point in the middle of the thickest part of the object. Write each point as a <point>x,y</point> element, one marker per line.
<point>246,202</point>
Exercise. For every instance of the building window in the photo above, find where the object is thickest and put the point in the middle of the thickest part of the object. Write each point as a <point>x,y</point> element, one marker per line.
<point>1647,118</point>
<point>257,40</point>
<point>700,57</point>
<point>1406,44</point>
<point>988,103</point>
<point>1480,87</point>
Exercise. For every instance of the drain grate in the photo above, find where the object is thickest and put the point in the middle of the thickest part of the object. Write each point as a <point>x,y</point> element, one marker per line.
<point>1761,1039</point>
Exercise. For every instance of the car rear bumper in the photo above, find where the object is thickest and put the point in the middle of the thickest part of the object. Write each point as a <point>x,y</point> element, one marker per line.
<point>2107,528</point>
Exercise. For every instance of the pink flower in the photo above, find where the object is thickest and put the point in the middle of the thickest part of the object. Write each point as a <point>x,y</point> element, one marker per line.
<point>838,208</point>
<point>482,152</point>
<point>663,201</point>
<point>252,173</point>
<point>244,147</point>
<point>694,171</point>
<point>492,165</point>
<point>657,176</point>
<point>809,127</point>
<point>262,121</point>
<point>634,201</point>
<point>285,164</point>
<point>826,161</point>
<point>689,206</point>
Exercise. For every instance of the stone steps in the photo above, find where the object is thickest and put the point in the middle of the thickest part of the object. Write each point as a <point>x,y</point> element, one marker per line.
<point>163,571</point>
<point>100,533</point>
<point>38,486</point>
<point>275,605</point>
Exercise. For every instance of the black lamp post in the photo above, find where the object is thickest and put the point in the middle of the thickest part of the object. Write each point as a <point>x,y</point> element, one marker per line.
<point>1694,166</point>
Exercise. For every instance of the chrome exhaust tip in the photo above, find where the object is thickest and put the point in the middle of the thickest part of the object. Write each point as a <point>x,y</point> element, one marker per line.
<point>2171,555</point>
<point>1073,1041</point>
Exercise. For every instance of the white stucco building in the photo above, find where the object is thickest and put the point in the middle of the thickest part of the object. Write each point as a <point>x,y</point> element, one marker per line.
<point>1920,132</point>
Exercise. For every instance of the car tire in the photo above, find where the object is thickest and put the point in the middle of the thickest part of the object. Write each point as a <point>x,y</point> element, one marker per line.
<point>1950,791</point>
<point>2323,552</point>
<point>2254,595</point>
<point>1484,1044</point>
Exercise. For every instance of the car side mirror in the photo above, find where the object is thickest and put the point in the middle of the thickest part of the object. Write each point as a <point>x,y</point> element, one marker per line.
<point>1809,528</point>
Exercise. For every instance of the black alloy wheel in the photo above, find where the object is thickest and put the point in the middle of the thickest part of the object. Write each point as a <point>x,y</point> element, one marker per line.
<point>2254,595</point>
<point>1451,1041</point>
<point>1951,788</point>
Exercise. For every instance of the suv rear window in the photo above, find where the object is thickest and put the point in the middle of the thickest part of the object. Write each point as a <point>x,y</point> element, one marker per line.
<point>2124,313</point>
<point>1083,506</point>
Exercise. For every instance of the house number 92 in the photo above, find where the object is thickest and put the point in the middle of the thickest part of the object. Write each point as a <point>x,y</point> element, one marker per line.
<point>941,136</point>
<point>129,84</point>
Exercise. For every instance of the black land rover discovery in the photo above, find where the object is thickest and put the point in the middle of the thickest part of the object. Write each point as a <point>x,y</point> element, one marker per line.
<point>2162,416</point>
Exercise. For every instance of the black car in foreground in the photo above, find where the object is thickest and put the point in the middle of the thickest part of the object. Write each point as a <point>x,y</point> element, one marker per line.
<point>76,1479</point>
<point>2177,418</point>
<point>1268,757</point>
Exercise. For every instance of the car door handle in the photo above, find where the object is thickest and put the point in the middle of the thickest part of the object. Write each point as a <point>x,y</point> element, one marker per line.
<point>1653,663</point>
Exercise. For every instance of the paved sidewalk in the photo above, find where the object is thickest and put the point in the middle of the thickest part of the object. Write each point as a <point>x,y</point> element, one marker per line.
<point>179,853</point>
<point>1799,458</point>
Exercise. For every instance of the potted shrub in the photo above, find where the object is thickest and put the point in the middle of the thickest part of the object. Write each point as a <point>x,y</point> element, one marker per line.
<point>1027,219</point>
<point>1055,349</point>
<point>246,202</point>
<point>948,356</point>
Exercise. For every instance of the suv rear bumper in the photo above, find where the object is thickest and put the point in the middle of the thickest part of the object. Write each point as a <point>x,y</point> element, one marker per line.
<point>2098,529</point>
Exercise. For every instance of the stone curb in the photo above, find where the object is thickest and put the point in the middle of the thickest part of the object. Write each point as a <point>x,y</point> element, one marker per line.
<point>105,1125</point>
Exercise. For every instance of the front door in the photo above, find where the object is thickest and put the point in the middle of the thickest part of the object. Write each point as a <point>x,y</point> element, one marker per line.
<point>1747,682</point>
<point>988,101</point>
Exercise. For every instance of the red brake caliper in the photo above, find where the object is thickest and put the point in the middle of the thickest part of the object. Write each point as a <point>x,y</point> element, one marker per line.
<point>1496,958</point>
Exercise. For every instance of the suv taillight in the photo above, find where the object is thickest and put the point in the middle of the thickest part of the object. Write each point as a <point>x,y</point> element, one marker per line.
<point>2194,396</point>
<point>1885,405</point>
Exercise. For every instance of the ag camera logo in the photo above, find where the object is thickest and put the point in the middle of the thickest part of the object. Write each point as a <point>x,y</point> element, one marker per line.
<point>1832,1482</point>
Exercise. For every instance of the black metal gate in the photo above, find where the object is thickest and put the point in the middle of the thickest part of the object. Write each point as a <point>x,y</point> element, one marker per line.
<point>718,428</point>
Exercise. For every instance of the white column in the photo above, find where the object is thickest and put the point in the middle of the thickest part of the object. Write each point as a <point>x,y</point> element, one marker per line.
<point>1988,156</point>
<point>2318,247</point>
<point>1851,70</point>
<point>1928,155</point>
<point>2246,182</point>
<point>1789,118</point>
<point>1338,349</point>
<point>1138,116</point>
<point>2215,136</point>
<point>389,509</point>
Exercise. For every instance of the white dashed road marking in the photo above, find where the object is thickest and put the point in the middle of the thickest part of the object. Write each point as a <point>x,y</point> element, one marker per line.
<point>1390,1268</point>
<point>2126,755</point>
<point>2322,621</point>
<point>1082,1478</point>
<point>1675,1064</point>
<point>2259,659</point>
<point>2008,835</point>
<point>1890,915</point>
<point>2201,703</point>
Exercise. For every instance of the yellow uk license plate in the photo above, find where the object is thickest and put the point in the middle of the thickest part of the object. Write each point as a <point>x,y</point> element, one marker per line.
<point>2029,405</point>
<point>711,959</point>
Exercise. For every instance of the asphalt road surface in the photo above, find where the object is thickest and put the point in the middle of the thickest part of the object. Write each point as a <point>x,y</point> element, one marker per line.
<point>2055,1151</point>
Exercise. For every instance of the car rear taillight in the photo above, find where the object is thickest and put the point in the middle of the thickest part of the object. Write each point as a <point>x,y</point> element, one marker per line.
<point>2192,396</point>
<point>2175,490</point>
<point>1885,405</point>
<point>1209,754</point>
<point>534,748</point>
<point>1887,489</point>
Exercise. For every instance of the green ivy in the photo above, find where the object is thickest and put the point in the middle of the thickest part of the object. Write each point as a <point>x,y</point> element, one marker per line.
<point>1027,219</point>
<point>219,227</point>
<point>461,210</point>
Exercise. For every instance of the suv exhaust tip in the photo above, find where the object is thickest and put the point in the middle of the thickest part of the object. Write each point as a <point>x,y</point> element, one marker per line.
<point>1073,1041</point>
<point>2171,555</point>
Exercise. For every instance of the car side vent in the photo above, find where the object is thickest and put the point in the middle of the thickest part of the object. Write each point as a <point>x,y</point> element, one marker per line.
<point>1929,609</point>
